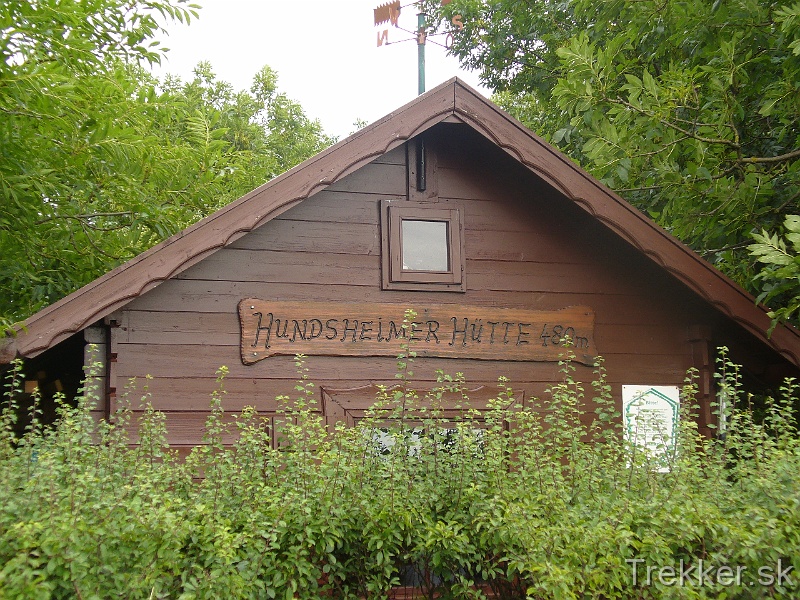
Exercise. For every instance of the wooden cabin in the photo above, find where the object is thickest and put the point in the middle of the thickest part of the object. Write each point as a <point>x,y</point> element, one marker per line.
<point>502,246</point>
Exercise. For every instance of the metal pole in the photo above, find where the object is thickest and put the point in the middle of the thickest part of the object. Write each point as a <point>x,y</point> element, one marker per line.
<point>421,53</point>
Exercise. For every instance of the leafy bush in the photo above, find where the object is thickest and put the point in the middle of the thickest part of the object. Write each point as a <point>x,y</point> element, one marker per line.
<point>534,501</point>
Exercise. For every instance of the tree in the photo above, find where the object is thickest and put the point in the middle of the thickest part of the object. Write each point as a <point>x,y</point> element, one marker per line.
<point>781,271</point>
<point>99,160</point>
<point>689,110</point>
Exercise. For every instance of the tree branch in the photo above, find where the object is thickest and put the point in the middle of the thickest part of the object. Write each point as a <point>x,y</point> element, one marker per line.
<point>639,189</point>
<point>736,246</point>
<point>789,202</point>
<point>92,244</point>
<point>733,144</point>
<point>772,159</point>
<point>125,213</point>
<point>671,125</point>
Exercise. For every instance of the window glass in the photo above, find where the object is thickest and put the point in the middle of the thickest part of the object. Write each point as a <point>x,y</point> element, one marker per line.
<point>425,245</point>
<point>422,246</point>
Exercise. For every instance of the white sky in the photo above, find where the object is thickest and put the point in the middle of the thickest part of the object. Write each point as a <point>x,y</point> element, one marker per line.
<point>325,54</point>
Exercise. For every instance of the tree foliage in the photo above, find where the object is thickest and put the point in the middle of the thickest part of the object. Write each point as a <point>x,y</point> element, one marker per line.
<point>781,270</point>
<point>689,109</point>
<point>99,160</point>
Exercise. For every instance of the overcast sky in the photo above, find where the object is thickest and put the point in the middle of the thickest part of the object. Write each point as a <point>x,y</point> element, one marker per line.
<point>325,54</point>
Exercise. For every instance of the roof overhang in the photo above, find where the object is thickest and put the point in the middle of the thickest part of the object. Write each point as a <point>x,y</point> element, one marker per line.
<point>452,101</point>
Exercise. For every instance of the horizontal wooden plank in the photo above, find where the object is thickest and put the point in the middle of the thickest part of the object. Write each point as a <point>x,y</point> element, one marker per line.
<point>286,267</point>
<point>500,214</point>
<point>188,428</point>
<point>309,237</point>
<point>396,156</point>
<point>189,328</point>
<point>377,178</point>
<point>520,246</point>
<point>223,296</point>
<point>652,339</point>
<point>337,207</point>
<point>306,267</point>
<point>214,296</point>
<point>545,277</point>
<point>358,207</point>
<point>203,361</point>
<point>178,394</point>
<point>181,394</point>
<point>286,235</point>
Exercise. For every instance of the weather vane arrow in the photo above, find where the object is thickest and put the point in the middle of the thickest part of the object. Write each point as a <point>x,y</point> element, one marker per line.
<point>388,12</point>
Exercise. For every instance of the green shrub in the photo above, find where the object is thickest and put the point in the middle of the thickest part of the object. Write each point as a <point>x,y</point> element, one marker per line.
<point>545,502</point>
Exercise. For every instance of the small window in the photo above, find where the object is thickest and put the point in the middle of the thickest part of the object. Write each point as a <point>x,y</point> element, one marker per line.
<point>422,247</point>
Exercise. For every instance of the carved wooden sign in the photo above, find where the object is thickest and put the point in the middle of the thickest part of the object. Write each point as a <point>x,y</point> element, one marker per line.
<point>272,328</point>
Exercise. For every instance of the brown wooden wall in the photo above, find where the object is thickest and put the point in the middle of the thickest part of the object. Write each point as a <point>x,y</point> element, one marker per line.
<point>526,247</point>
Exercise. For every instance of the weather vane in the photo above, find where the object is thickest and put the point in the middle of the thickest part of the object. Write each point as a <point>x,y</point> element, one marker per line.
<point>390,13</point>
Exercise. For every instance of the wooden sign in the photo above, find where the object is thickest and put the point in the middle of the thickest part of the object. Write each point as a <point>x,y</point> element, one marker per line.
<point>272,328</point>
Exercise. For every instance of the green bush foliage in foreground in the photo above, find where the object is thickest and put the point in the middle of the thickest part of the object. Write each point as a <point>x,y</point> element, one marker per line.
<point>546,502</point>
